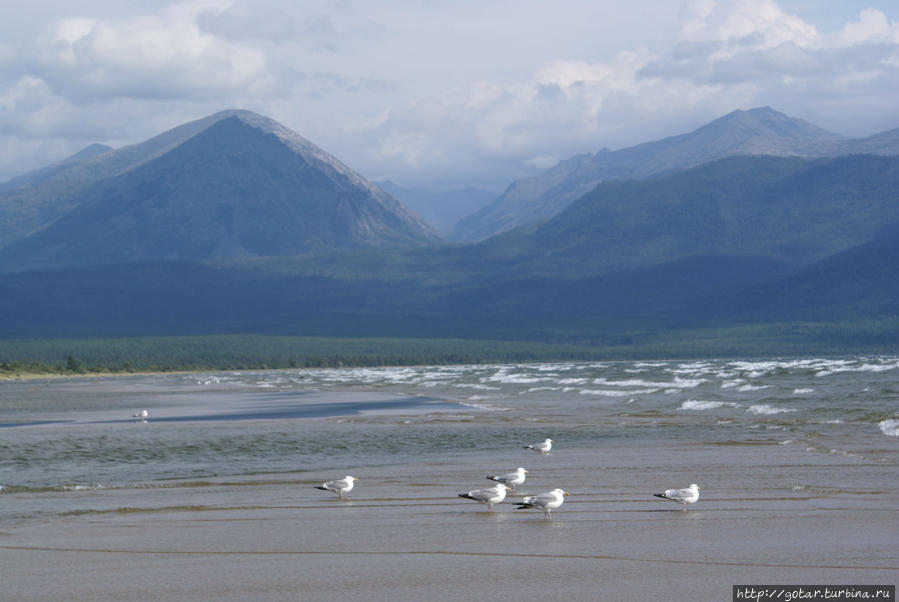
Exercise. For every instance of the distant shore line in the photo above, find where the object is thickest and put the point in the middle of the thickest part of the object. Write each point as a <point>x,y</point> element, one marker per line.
<point>253,352</point>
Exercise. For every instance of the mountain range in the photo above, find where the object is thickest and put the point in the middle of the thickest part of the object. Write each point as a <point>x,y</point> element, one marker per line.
<point>441,209</point>
<point>240,186</point>
<point>233,223</point>
<point>795,211</point>
<point>757,132</point>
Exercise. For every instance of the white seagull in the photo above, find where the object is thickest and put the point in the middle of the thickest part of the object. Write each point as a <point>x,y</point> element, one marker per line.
<point>141,415</point>
<point>340,486</point>
<point>489,496</point>
<point>682,496</point>
<point>543,447</point>
<point>547,502</point>
<point>512,479</point>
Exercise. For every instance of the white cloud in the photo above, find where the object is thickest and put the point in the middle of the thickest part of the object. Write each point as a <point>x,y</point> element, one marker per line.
<point>872,27</point>
<point>761,21</point>
<point>244,20</point>
<point>541,162</point>
<point>462,92</point>
<point>161,56</point>
<point>726,55</point>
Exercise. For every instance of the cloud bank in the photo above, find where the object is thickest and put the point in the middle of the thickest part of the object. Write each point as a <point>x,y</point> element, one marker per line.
<point>440,94</point>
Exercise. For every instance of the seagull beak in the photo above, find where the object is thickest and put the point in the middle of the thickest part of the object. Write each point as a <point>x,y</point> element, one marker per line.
<point>565,493</point>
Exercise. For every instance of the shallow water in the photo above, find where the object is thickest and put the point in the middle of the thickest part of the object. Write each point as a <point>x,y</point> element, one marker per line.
<point>212,497</point>
<point>71,434</point>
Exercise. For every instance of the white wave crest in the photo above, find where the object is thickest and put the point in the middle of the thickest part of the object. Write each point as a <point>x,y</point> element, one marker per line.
<point>678,383</point>
<point>477,387</point>
<point>633,382</point>
<point>889,427</point>
<point>92,487</point>
<point>512,379</point>
<point>765,409</point>
<point>698,405</point>
<point>835,367</point>
<point>483,406</point>
<point>802,391</point>
<point>745,388</point>
<point>617,393</point>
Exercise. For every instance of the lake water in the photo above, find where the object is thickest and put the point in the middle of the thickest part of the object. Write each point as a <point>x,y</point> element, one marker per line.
<point>811,440</point>
<point>66,434</point>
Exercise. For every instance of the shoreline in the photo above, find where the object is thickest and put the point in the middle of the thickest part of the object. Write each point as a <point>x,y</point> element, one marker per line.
<point>795,477</point>
<point>25,376</point>
<point>74,358</point>
<point>403,534</point>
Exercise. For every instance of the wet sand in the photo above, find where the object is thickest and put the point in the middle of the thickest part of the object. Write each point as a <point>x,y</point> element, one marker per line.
<point>768,514</point>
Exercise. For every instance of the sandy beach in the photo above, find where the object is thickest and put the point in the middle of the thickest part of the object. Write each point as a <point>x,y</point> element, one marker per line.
<point>213,498</point>
<point>401,536</point>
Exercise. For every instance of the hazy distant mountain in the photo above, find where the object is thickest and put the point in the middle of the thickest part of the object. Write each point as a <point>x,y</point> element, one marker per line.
<point>38,176</point>
<point>743,240</point>
<point>761,131</point>
<point>792,210</point>
<point>860,283</point>
<point>241,186</point>
<point>26,209</point>
<point>441,209</point>
<point>884,143</point>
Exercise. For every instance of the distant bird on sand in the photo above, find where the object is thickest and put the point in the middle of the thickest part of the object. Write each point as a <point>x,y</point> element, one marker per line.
<point>490,495</point>
<point>543,447</point>
<point>339,486</point>
<point>682,496</point>
<point>142,415</point>
<point>512,479</point>
<point>547,502</point>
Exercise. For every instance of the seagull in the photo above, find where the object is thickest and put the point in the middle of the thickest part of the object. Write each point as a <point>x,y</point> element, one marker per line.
<point>489,496</point>
<point>543,448</point>
<point>340,486</point>
<point>547,502</point>
<point>142,415</point>
<point>684,496</point>
<point>512,478</point>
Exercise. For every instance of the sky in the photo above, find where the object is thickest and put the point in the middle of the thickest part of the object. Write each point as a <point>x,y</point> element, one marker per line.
<point>438,94</point>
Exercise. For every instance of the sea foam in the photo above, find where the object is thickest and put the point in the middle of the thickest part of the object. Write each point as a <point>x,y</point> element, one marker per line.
<point>765,409</point>
<point>616,392</point>
<point>698,405</point>
<point>746,388</point>
<point>890,427</point>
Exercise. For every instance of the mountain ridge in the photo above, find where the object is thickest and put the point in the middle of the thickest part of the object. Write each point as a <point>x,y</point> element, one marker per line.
<point>798,210</point>
<point>25,209</point>
<point>441,209</point>
<point>760,131</point>
<point>243,186</point>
